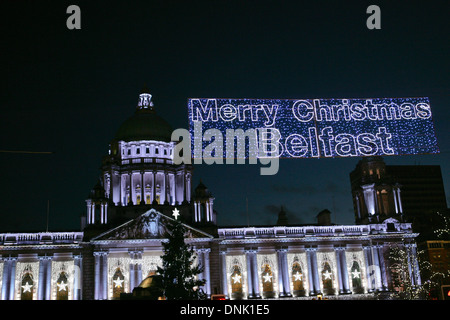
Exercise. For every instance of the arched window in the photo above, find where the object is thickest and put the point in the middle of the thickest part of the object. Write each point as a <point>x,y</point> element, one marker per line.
<point>236,283</point>
<point>267,281</point>
<point>355,273</point>
<point>27,287</point>
<point>62,287</point>
<point>297,280</point>
<point>327,279</point>
<point>118,283</point>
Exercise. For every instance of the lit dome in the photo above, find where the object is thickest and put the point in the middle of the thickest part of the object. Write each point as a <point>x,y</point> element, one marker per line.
<point>145,124</point>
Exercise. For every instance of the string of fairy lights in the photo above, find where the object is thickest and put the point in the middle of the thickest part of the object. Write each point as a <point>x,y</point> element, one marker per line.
<point>314,128</point>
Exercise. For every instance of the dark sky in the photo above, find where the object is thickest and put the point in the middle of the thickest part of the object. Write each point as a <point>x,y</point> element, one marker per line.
<point>68,91</point>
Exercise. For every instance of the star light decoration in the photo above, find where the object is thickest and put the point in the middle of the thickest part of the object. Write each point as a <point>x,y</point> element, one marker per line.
<point>356,274</point>
<point>27,287</point>
<point>236,278</point>
<point>118,282</point>
<point>297,276</point>
<point>267,278</point>
<point>327,275</point>
<point>175,213</point>
<point>62,286</point>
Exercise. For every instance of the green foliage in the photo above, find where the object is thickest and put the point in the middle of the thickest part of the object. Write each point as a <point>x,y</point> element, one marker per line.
<point>178,273</point>
<point>403,263</point>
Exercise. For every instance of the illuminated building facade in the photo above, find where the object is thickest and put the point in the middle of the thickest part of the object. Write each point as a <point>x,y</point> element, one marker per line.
<point>141,190</point>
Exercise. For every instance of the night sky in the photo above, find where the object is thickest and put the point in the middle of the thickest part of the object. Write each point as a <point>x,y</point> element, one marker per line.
<point>67,92</point>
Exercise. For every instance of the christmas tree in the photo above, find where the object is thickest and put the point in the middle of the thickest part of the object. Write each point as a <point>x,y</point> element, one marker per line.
<point>178,275</point>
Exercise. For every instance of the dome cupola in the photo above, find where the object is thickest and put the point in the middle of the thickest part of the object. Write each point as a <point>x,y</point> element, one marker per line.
<point>145,124</point>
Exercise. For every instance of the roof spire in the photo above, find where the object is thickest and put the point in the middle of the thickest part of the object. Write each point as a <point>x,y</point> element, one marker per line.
<point>145,100</point>
<point>282,218</point>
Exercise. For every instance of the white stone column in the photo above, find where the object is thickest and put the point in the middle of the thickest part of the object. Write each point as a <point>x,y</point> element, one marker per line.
<point>211,213</point>
<point>131,188</point>
<point>339,271</point>
<point>207,272</point>
<point>154,186</point>
<point>132,277</point>
<point>207,211</point>
<point>105,275</point>
<point>312,291</point>
<point>223,256</point>
<point>142,188</point>
<point>184,186</point>
<point>101,213</point>
<point>345,281</point>
<point>173,190</point>
<point>48,279</point>
<point>12,281</point>
<point>166,188</point>
<point>280,273</point>
<point>368,264</point>
<point>97,269</point>
<point>399,201</point>
<point>77,280</point>
<point>394,192</point>
<point>42,267</point>
<point>121,190</point>
<point>313,271</point>
<point>376,263</point>
<point>89,208</point>
<point>249,273</point>
<point>139,268</point>
<point>92,212</point>
<point>382,265</point>
<point>255,274</point>
<point>195,212</point>
<point>5,279</point>
<point>286,279</point>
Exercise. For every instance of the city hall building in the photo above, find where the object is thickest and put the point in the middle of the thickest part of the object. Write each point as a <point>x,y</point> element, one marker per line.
<point>141,190</point>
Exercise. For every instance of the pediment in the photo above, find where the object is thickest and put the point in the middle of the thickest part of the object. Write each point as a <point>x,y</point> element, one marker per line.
<point>149,225</point>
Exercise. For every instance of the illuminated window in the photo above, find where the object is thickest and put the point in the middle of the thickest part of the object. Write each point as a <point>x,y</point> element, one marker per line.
<point>355,273</point>
<point>327,279</point>
<point>118,283</point>
<point>267,281</point>
<point>147,199</point>
<point>138,199</point>
<point>297,280</point>
<point>236,283</point>
<point>62,287</point>
<point>27,287</point>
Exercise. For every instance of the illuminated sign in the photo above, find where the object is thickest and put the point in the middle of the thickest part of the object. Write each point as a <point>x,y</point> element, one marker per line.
<point>310,128</point>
